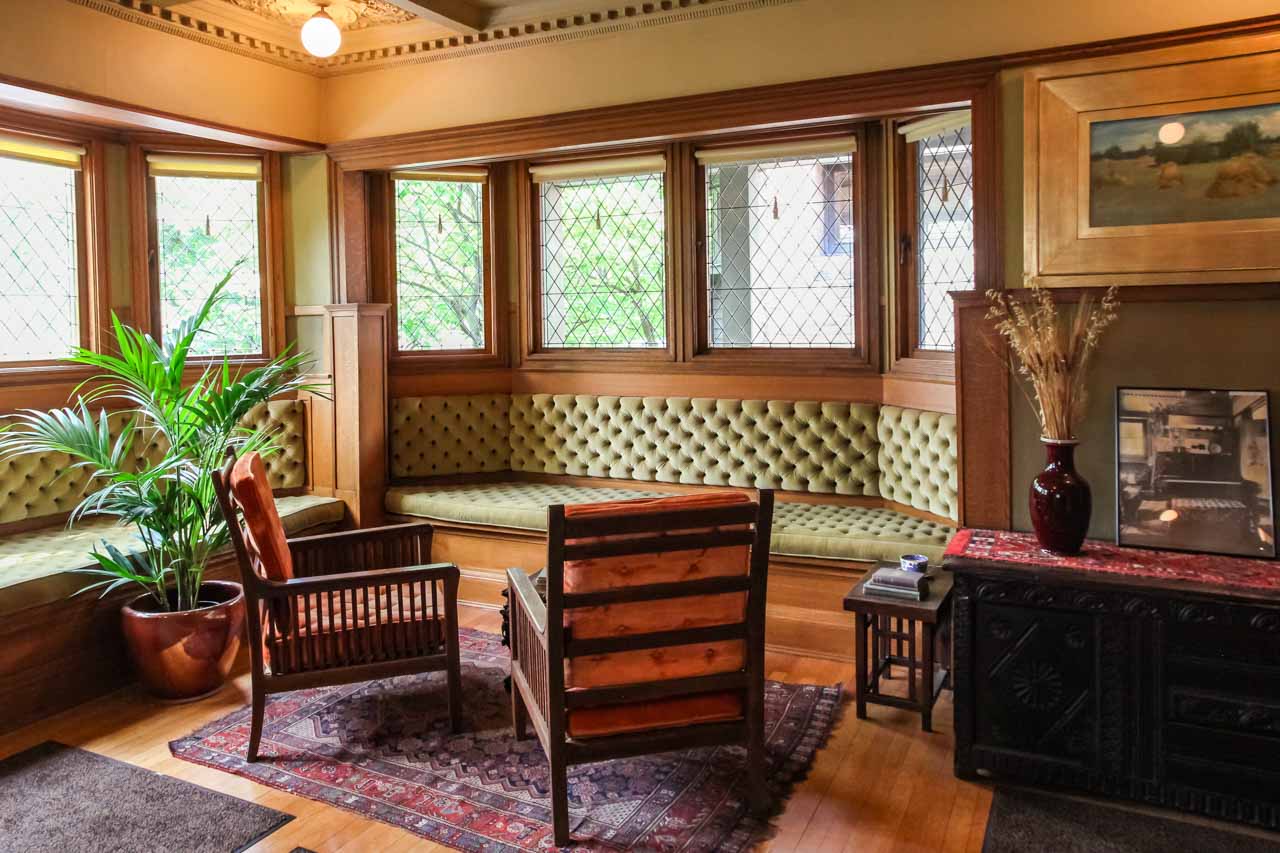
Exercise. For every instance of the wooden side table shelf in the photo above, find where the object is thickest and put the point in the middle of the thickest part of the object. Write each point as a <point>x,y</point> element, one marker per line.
<point>893,632</point>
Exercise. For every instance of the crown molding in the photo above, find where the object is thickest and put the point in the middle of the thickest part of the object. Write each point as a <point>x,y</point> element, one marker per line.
<point>265,43</point>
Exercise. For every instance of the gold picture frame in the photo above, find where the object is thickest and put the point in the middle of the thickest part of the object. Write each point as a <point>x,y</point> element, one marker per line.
<point>1154,168</point>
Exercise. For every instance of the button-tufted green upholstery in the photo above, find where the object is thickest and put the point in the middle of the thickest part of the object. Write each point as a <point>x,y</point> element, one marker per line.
<point>38,566</point>
<point>904,455</point>
<point>432,436</point>
<point>828,448</point>
<point>40,484</point>
<point>799,529</point>
<point>917,459</point>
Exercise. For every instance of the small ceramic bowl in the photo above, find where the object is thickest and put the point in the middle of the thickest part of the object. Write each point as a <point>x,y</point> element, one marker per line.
<point>913,562</point>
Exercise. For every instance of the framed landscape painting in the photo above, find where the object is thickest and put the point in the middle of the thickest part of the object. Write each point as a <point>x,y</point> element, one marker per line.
<point>1120,189</point>
<point>1208,166</point>
<point>1193,470</point>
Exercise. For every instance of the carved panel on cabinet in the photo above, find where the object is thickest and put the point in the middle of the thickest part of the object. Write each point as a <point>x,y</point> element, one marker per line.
<point>1038,694</point>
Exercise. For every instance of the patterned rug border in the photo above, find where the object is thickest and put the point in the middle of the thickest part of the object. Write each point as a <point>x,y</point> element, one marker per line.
<point>826,715</point>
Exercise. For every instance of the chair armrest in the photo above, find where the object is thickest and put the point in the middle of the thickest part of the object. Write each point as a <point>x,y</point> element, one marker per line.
<point>333,582</point>
<point>374,548</point>
<point>523,594</point>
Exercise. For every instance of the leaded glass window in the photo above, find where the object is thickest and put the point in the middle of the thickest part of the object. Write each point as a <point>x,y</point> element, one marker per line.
<point>944,232</point>
<point>439,251</point>
<point>603,261</point>
<point>780,263</point>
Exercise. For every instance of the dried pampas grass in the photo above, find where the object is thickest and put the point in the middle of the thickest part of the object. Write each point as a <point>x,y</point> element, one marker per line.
<point>1053,350</point>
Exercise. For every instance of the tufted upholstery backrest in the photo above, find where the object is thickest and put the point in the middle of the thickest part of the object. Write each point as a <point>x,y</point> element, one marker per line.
<point>434,436</point>
<point>40,484</point>
<point>905,455</point>
<point>918,459</point>
<point>827,448</point>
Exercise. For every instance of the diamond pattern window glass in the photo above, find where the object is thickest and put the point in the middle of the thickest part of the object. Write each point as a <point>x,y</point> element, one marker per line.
<point>604,276</point>
<point>439,265</point>
<point>780,270</point>
<point>944,231</point>
<point>39,262</point>
<point>204,227</point>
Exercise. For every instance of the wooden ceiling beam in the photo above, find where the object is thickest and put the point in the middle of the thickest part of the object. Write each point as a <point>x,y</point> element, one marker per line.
<point>461,16</point>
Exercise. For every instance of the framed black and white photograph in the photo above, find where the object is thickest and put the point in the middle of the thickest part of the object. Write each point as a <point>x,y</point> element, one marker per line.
<point>1194,471</point>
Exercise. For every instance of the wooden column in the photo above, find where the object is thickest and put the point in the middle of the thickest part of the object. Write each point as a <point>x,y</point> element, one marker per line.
<point>348,433</point>
<point>982,416</point>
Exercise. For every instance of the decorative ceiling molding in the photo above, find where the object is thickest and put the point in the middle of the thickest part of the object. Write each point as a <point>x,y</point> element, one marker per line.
<point>618,18</point>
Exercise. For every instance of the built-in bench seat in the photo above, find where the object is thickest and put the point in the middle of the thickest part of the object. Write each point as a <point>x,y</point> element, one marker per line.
<point>40,554</point>
<point>855,481</point>
<point>820,530</point>
<point>42,565</point>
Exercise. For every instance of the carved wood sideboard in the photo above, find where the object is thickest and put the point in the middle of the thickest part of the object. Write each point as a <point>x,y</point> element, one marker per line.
<point>1145,675</point>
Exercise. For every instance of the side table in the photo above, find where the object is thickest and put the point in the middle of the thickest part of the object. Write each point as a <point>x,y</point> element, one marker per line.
<point>886,636</point>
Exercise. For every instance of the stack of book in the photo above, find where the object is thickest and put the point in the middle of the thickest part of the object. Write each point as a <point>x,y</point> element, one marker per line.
<point>896,583</point>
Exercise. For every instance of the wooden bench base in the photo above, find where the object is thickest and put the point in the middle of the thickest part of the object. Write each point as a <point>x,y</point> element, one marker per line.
<point>804,613</point>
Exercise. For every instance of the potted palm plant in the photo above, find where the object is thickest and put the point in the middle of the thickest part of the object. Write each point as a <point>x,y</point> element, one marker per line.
<point>182,631</point>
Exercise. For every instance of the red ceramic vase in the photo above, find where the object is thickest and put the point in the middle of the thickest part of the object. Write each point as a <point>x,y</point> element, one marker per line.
<point>1061,501</point>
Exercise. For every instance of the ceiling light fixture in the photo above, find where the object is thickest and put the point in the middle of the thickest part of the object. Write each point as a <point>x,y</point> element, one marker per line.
<point>320,35</point>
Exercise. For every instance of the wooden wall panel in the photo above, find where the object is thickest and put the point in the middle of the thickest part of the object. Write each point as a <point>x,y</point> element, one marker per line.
<point>982,391</point>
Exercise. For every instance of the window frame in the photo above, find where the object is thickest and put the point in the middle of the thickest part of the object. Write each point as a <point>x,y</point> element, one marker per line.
<point>863,356</point>
<point>386,284</point>
<point>532,351</point>
<point>909,358</point>
<point>93,293</point>
<point>146,286</point>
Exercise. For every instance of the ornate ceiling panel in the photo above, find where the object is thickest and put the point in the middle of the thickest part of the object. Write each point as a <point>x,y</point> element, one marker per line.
<point>348,14</point>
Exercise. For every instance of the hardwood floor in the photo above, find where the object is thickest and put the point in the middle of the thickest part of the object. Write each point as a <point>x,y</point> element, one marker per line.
<point>881,784</point>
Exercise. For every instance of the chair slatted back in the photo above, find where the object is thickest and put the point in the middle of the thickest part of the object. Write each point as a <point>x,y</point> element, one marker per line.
<point>657,598</point>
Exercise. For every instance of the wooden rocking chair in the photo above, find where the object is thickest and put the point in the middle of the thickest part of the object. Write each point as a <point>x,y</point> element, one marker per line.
<point>651,637</point>
<point>336,608</point>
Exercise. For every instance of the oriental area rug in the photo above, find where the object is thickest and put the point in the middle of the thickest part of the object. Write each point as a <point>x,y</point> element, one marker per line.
<point>383,750</point>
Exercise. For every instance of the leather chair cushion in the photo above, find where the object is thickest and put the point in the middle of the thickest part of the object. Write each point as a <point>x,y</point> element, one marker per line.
<point>265,531</point>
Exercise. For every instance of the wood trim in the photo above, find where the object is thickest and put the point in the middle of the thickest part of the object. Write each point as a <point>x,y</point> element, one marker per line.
<point>110,116</point>
<point>984,471</point>
<point>776,106</point>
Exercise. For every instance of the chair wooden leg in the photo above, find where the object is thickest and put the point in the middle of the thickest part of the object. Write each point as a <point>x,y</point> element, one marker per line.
<point>519,714</point>
<point>560,800</point>
<point>255,723</point>
<point>757,769</point>
<point>455,663</point>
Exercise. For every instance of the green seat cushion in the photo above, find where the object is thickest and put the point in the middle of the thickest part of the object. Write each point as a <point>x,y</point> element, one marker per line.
<point>39,566</point>
<point>522,506</point>
<point>799,529</point>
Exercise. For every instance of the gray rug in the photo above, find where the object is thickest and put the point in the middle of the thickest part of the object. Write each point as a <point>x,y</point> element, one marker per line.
<point>1024,821</point>
<point>60,799</point>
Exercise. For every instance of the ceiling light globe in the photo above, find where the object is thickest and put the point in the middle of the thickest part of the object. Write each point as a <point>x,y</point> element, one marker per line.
<point>320,35</point>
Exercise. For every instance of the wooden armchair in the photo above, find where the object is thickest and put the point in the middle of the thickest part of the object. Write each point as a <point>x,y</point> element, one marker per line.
<point>339,607</point>
<point>651,637</point>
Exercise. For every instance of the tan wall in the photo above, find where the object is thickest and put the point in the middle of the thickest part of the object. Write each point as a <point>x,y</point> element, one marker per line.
<point>60,44</point>
<point>308,274</point>
<point>798,41</point>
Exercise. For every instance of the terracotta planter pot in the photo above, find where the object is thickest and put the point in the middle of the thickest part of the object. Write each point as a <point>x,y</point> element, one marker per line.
<point>186,655</point>
<point>1061,501</point>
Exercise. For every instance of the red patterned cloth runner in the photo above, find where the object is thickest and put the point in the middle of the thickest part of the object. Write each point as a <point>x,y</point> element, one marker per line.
<point>1006,546</point>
